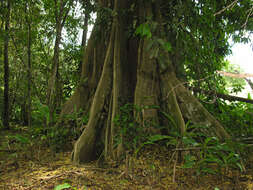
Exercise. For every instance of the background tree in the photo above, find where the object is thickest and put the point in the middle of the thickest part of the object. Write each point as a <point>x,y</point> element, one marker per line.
<point>88,8</point>
<point>6,66</point>
<point>29,72</point>
<point>41,54</point>
<point>22,51</point>
<point>61,11</point>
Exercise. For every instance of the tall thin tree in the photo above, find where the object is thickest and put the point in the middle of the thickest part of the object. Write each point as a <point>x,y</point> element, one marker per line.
<point>61,10</point>
<point>29,76</point>
<point>6,68</point>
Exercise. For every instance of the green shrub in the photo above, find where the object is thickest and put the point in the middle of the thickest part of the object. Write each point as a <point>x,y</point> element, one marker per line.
<point>60,135</point>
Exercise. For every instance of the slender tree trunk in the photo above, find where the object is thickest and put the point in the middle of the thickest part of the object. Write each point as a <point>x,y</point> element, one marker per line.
<point>2,23</point>
<point>54,95</point>
<point>24,112</point>
<point>29,75</point>
<point>29,67</point>
<point>6,69</point>
<point>13,96</point>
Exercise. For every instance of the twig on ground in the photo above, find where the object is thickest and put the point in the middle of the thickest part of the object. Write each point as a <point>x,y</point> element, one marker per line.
<point>174,169</point>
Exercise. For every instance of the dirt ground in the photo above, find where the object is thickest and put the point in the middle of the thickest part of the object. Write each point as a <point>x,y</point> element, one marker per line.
<point>29,167</point>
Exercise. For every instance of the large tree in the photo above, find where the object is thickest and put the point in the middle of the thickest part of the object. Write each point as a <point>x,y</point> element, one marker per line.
<point>139,52</point>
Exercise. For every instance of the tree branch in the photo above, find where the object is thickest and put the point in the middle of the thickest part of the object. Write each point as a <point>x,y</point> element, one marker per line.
<point>248,16</point>
<point>226,8</point>
<point>223,96</point>
<point>236,75</point>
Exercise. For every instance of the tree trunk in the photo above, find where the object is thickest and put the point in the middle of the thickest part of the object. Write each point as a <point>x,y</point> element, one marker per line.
<point>84,38</point>
<point>91,71</point>
<point>6,69</point>
<point>129,75</point>
<point>29,77</point>
<point>54,86</point>
<point>53,80</point>
<point>29,69</point>
<point>84,147</point>
<point>24,112</point>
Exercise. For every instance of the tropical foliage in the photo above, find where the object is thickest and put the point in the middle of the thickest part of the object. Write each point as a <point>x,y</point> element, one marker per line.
<point>128,84</point>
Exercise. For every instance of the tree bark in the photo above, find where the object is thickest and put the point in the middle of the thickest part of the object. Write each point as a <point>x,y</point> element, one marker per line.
<point>84,147</point>
<point>52,99</point>
<point>29,66</point>
<point>84,38</point>
<point>6,68</point>
<point>92,66</point>
<point>193,110</point>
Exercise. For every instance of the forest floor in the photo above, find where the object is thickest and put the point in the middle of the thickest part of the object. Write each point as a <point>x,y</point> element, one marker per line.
<point>29,167</point>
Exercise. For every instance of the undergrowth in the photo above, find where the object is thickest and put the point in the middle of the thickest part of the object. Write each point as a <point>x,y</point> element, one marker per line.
<point>195,149</point>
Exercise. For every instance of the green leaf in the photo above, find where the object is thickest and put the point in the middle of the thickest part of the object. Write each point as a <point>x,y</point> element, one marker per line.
<point>169,117</point>
<point>213,160</point>
<point>144,30</point>
<point>209,171</point>
<point>189,161</point>
<point>188,164</point>
<point>167,46</point>
<point>210,139</point>
<point>62,186</point>
<point>152,140</point>
<point>43,137</point>
<point>239,166</point>
<point>173,142</point>
<point>249,96</point>
<point>190,141</point>
<point>155,138</point>
<point>20,139</point>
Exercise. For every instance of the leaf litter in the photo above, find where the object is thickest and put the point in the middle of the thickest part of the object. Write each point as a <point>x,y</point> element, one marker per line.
<point>43,169</point>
